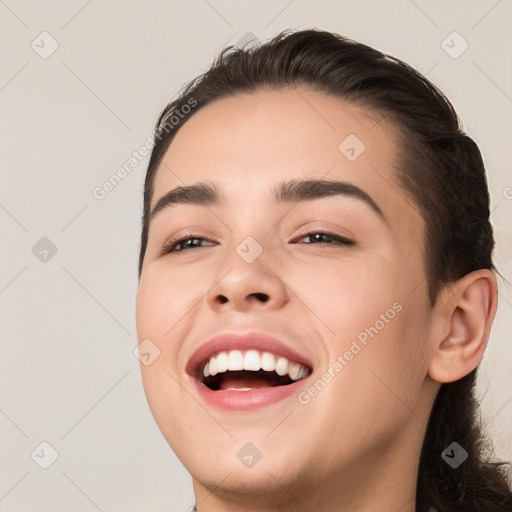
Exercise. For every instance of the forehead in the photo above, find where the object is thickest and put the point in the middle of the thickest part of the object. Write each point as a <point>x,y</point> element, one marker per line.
<point>249,142</point>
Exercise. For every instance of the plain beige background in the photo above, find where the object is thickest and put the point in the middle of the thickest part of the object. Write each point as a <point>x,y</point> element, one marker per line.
<point>69,120</point>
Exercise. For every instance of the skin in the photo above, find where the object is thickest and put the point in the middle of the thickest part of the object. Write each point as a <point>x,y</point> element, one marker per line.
<point>356,445</point>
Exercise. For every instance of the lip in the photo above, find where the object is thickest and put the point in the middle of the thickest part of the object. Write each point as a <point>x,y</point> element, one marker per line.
<point>238,341</point>
<point>244,400</point>
<point>232,400</point>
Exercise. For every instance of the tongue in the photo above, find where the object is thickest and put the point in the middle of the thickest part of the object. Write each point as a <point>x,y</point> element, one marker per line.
<point>246,381</point>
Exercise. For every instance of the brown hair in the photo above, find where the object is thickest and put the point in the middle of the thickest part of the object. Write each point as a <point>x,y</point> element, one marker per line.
<point>439,166</point>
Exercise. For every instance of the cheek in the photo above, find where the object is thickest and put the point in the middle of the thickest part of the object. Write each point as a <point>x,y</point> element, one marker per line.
<point>161,302</point>
<point>163,299</point>
<point>374,331</point>
<point>380,379</point>
<point>343,296</point>
<point>159,306</point>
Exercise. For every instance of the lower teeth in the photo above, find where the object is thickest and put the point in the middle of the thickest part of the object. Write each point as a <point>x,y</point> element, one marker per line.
<point>239,389</point>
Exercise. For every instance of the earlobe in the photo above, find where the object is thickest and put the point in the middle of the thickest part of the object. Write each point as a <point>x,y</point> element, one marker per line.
<point>470,306</point>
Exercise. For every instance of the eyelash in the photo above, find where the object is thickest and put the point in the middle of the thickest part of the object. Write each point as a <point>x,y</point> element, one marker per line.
<point>169,246</point>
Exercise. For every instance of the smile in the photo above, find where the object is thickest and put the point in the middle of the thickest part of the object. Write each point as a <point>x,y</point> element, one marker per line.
<point>252,369</point>
<point>244,372</point>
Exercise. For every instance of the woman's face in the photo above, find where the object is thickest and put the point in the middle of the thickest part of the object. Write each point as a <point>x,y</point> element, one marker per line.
<point>354,311</point>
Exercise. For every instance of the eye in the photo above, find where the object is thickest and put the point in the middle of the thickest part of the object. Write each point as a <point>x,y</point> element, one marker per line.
<point>179,245</point>
<point>192,241</point>
<point>320,236</point>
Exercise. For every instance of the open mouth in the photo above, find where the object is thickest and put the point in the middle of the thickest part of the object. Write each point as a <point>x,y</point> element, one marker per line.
<point>244,380</point>
<point>252,369</point>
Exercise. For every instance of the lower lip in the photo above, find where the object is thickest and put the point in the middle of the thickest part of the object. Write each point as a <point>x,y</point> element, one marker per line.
<point>232,400</point>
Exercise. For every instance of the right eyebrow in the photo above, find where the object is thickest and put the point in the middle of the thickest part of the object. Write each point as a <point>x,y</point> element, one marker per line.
<point>201,194</point>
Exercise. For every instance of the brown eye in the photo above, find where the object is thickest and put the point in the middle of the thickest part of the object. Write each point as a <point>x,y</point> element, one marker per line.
<point>189,241</point>
<point>325,237</point>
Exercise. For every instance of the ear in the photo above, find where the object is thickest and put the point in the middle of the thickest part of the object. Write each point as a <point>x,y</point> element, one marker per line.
<point>465,314</point>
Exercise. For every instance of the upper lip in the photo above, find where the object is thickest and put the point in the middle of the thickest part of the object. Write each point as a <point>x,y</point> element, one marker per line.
<point>241,341</point>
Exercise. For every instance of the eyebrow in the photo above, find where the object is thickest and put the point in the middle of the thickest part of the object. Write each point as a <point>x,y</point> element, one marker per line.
<point>207,194</point>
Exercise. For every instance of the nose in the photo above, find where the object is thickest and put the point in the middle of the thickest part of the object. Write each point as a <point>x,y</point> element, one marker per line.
<point>242,285</point>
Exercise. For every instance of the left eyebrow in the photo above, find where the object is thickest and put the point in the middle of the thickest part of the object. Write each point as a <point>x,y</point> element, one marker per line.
<point>206,194</point>
<point>302,190</point>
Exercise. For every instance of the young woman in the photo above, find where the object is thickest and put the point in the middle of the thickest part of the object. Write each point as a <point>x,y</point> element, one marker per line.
<point>315,270</point>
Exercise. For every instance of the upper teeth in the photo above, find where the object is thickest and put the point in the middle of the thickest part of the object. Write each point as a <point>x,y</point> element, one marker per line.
<point>253,360</point>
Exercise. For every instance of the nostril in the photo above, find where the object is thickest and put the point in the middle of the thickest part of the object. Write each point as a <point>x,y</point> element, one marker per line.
<point>261,296</point>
